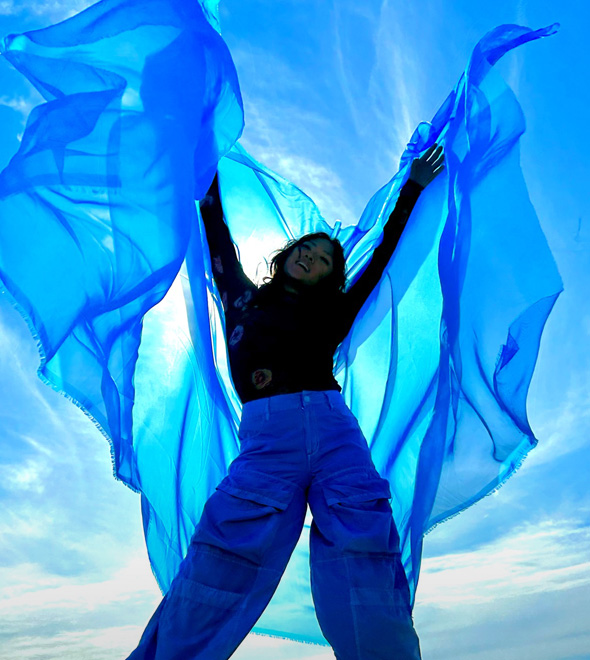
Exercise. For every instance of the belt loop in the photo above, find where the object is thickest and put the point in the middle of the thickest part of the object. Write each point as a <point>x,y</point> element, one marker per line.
<point>267,412</point>
<point>327,395</point>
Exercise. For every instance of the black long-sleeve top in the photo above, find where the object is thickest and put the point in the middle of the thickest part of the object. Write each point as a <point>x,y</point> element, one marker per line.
<point>279,344</point>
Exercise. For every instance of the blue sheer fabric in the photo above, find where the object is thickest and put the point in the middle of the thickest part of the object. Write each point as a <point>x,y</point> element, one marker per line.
<point>102,251</point>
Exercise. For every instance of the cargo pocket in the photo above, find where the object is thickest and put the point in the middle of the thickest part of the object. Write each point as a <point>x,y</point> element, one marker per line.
<point>258,487</point>
<point>362,521</point>
<point>194,617</point>
<point>185,589</point>
<point>245,514</point>
<point>382,598</point>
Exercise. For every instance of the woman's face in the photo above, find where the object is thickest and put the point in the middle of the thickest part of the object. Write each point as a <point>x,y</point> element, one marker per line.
<point>310,261</point>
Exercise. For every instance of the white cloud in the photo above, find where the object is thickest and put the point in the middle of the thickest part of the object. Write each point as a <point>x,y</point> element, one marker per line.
<point>26,476</point>
<point>48,616</point>
<point>280,145</point>
<point>551,626</point>
<point>33,590</point>
<point>9,7</point>
<point>525,595</point>
<point>22,523</point>
<point>56,10</point>
<point>280,132</point>
<point>390,86</point>
<point>261,647</point>
<point>92,644</point>
<point>342,71</point>
<point>550,556</point>
<point>20,104</point>
<point>563,426</point>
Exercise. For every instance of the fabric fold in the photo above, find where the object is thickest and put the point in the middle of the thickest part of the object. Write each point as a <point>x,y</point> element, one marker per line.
<point>142,101</point>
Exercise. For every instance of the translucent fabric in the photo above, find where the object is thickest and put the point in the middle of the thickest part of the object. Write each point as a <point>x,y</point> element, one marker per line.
<point>102,250</point>
<point>97,205</point>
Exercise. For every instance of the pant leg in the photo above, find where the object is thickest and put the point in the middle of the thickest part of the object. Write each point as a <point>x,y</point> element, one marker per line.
<point>359,587</point>
<point>238,553</point>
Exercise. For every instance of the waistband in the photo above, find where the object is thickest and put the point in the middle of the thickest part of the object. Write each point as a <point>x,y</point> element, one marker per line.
<point>292,401</point>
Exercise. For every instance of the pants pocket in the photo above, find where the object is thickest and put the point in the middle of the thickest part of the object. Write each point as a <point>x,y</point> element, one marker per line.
<point>360,513</point>
<point>246,514</point>
<point>197,621</point>
<point>195,593</point>
<point>259,488</point>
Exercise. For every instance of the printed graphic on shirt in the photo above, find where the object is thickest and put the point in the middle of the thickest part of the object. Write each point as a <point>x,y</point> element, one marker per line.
<point>218,265</point>
<point>243,300</point>
<point>236,335</point>
<point>261,378</point>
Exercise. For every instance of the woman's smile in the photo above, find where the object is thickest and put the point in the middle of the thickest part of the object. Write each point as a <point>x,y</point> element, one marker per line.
<point>310,261</point>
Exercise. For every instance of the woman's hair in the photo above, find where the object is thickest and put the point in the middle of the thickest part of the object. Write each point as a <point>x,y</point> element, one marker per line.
<point>330,285</point>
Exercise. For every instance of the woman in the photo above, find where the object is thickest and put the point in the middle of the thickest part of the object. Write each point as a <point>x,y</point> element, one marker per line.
<point>299,443</point>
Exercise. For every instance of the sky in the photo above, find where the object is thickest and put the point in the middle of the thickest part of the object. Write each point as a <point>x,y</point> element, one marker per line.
<point>332,91</point>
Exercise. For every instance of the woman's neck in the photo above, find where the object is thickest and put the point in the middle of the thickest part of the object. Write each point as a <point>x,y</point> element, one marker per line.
<point>289,288</point>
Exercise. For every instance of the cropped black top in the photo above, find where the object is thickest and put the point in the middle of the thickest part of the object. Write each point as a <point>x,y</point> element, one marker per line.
<point>279,344</point>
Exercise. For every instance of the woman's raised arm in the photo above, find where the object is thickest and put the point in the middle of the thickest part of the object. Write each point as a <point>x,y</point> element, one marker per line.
<point>423,171</point>
<point>233,284</point>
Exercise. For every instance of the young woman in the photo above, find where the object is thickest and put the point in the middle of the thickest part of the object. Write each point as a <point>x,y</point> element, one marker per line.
<point>299,444</point>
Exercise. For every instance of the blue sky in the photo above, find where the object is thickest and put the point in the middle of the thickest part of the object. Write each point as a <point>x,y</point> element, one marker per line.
<point>332,91</point>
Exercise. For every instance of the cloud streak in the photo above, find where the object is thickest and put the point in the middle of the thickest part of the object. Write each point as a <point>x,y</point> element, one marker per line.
<point>280,136</point>
<point>20,104</point>
<point>485,604</point>
<point>45,616</point>
<point>550,556</point>
<point>55,10</point>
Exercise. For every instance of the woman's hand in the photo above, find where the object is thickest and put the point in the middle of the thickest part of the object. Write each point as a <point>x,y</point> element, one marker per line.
<point>426,168</point>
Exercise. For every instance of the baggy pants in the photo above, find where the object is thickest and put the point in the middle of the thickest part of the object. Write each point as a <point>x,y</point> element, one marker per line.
<point>295,448</point>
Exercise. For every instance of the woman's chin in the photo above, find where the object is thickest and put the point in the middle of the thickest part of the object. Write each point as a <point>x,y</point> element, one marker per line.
<point>297,283</point>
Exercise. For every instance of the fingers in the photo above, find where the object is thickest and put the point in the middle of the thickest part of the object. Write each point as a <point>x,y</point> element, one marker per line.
<point>426,168</point>
<point>432,152</point>
<point>435,158</point>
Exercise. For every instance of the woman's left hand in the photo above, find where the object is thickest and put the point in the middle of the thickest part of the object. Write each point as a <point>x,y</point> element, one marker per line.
<point>426,168</point>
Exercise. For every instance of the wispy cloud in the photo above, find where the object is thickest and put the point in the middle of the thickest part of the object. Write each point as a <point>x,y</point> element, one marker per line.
<point>261,647</point>
<point>559,400</point>
<point>349,83</point>
<point>48,616</point>
<point>522,595</point>
<point>22,105</point>
<point>28,476</point>
<point>280,137</point>
<point>394,89</point>
<point>55,10</point>
<point>9,7</point>
<point>567,429</point>
<point>550,556</point>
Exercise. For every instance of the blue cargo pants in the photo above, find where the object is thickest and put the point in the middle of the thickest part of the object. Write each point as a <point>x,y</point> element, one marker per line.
<point>295,448</point>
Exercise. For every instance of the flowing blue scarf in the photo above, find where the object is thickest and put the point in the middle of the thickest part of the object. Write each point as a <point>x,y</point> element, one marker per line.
<point>103,252</point>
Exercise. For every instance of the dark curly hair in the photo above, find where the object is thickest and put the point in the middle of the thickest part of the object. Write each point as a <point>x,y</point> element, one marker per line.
<point>331,285</point>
